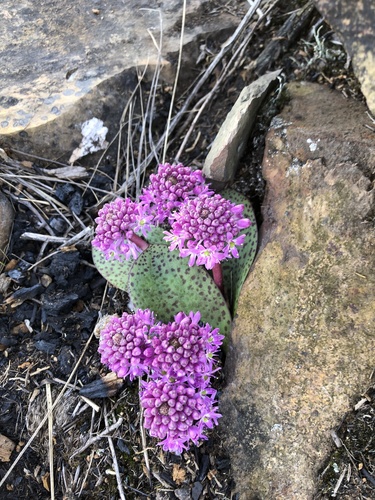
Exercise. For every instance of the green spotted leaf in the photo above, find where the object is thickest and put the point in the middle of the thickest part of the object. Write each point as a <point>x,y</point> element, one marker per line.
<point>162,281</point>
<point>156,236</point>
<point>116,272</point>
<point>235,271</point>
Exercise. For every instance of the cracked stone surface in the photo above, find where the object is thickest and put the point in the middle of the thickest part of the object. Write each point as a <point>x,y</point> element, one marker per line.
<point>354,22</point>
<point>303,341</point>
<point>66,62</point>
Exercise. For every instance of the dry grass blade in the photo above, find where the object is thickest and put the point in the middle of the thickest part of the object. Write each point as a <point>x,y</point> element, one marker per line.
<point>165,140</point>
<point>50,440</point>
<point>144,443</point>
<point>44,419</point>
<point>120,488</point>
<point>175,81</point>
<point>101,435</point>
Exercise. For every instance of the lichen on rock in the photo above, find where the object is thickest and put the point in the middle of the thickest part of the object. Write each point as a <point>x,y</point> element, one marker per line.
<point>303,341</point>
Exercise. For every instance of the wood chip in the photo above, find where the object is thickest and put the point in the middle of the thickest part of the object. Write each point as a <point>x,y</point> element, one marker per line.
<point>336,439</point>
<point>45,481</point>
<point>360,403</point>
<point>178,474</point>
<point>66,172</point>
<point>6,448</point>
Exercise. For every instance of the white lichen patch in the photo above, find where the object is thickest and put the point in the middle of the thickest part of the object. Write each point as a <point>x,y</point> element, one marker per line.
<point>313,145</point>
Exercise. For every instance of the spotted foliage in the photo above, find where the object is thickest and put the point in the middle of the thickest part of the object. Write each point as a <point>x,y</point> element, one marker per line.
<point>235,271</point>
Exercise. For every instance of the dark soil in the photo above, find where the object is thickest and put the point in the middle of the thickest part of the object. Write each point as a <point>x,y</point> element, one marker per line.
<point>54,298</point>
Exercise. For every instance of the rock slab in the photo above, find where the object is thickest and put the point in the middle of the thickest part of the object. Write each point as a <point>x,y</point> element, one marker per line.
<point>303,342</point>
<point>65,62</point>
<point>230,143</point>
<point>354,22</point>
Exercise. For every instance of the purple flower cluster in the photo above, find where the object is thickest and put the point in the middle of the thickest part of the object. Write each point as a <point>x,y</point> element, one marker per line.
<point>206,229</point>
<point>118,223</point>
<point>204,226</point>
<point>170,188</point>
<point>184,350</point>
<point>179,359</point>
<point>178,413</point>
<point>123,341</point>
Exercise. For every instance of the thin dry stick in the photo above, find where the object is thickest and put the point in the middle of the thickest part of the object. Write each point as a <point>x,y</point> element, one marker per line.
<point>43,237</point>
<point>96,438</point>
<point>141,144</point>
<point>128,146</point>
<point>128,110</point>
<point>114,458</point>
<point>50,440</point>
<point>339,481</point>
<point>143,438</point>
<point>154,85</point>
<point>85,233</point>
<point>44,419</point>
<point>177,118</point>
<point>87,472</point>
<point>224,49</point>
<point>228,70</point>
<point>47,160</point>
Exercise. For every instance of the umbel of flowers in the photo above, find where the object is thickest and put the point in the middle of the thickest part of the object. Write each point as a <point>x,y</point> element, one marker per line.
<point>179,359</point>
<point>203,226</point>
<point>167,250</point>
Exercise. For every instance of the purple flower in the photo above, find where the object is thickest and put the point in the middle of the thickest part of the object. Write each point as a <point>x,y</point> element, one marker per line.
<point>206,229</point>
<point>123,342</point>
<point>117,224</point>
<point>177,413</point>
<point>184,350</point>
<point>170,187</point>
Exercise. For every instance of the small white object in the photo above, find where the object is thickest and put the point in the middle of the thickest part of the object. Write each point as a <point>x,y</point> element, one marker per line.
<point>312,144</point>
<point>93,139</point>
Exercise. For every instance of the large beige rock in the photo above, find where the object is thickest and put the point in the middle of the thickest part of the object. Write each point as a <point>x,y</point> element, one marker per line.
<point>64,62</point>
<point>303,342</point>
<point>354,22</point>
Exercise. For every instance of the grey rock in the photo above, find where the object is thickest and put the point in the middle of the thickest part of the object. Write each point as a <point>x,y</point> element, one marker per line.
<point>303,340</point>
<point>231,140</point>
<point>182,493</point>
<point>64,63</point>
<point>196,490</point>
<point>354,23</point>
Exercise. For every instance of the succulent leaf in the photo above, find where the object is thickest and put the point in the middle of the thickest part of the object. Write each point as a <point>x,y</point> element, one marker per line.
<point>162,281</point>
<point>116,272</point>
<point>156,236</point>
<point>235,271</point>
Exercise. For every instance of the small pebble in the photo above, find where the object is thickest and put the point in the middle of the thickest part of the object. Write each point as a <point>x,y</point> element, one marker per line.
<point>122,446</point>
<point>58,225</point>
<point>47,347</point>
<point>203,467</point>
<point>182,494</point>
<point>63,192</point>
<point>76,203</point>
<point>196,490</point>
<point>55,303</point>
<point>66,359</point>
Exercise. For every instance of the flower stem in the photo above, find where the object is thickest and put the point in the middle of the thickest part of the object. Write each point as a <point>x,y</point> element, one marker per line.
<point>217,273</point>
<point>140,242</point>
